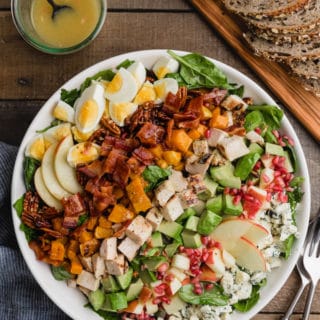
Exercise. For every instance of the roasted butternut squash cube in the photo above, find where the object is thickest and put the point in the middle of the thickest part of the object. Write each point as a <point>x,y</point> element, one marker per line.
<point>139,199</point>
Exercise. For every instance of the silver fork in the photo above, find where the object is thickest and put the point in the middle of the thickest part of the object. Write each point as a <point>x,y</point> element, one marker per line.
<point>311,263</point>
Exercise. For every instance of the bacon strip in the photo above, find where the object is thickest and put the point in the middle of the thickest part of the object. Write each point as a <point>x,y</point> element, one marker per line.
<point>151,134</point>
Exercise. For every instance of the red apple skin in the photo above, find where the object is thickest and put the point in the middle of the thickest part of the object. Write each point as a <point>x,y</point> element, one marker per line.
<point>257,193</point>
<point>207,274</point>
<point>210,259</point>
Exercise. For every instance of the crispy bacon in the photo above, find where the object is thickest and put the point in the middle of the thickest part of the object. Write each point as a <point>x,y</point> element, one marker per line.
<point>94,169</point>
<point>111,126</point>
<point>215,96</point>
<point>151,134</point>
<point>121,172</point>
<point>195,106</point>
<point>119,143</point>
<point>135,165</point>
<point>74,206</point>
<point>98,136</point>
<point>111,161</point>
<point>174,102</point>
<point>187,120</point>
<point>143,155</point>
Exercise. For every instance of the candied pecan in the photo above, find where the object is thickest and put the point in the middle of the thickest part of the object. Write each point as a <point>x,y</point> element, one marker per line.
<point>110,125</point>
<point>248,100</point>
<point>52,233</point>
<point>82,178</point>
<point>49,212</point>
<point>31,203</point>
<point>98,136</point>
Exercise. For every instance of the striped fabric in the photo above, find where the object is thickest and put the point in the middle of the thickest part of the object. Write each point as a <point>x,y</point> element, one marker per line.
<point>20,296</point>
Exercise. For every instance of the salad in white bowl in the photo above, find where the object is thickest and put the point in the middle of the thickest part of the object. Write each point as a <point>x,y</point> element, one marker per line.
<point>162,191</point>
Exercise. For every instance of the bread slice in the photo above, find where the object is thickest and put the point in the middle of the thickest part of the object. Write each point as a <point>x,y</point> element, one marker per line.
<point>302,21</point>
<point>309,69</point>
<point>263,8</point>
<point>312,85</point>
<point>285,52</point>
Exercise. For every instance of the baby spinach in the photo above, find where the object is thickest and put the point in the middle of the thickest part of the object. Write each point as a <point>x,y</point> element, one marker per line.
<point>154,175</point>
<point>198,72</point>
<point>254,119</point>
<point>288,243</point>
<point>53,123</point>
<point>69,96</point>
<point>30,166</point>
<point>125,64</point>
<point>102,75</point>
<point>272,115</point>
<point>212,297</point>
<point>18,205</point>
<point>60,273</point>
<point>29,233</point>
<point>246,305</point>
<point>82,219</point>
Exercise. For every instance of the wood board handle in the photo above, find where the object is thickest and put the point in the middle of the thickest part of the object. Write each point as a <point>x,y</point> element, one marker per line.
<point>303,104</point>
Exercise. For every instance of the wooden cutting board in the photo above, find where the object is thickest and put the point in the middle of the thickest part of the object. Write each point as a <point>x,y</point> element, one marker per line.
<point>303,104</point>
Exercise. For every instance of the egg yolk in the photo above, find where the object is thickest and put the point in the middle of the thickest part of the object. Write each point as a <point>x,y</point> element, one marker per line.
<point>146,93</point>
<point>84,153</point>
<point>79,136</point>
<point>161,90</point>
<point>37,149</point>
<point>60,113</point>
<point>116,84</point>
<point>88,114</point>
<point>122,110</point>
<point>161,72</point>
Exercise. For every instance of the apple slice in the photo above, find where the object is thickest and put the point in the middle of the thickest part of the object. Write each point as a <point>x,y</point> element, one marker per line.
<point>49,176</point>
<point>256,233</point>
<point>257,193</point>
<point>215,262</point>
<point>207,274</point>
<point>248,256</point>
<point>66,175</point>
<point>43,191</point>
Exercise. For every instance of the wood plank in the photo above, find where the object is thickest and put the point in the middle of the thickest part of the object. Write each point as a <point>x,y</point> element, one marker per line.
<point>134,5</point>
<point>24,70</point>
<point>304,105</point>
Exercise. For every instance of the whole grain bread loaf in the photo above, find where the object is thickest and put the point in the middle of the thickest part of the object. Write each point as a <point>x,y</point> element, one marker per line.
<point>312,85</point>
<point>263,8</point>
<point>309,69</point>
<point>285,52</point>
<point>300,21</point>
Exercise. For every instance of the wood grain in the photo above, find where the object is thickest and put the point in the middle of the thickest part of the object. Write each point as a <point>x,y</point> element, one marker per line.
<point>304,105</point>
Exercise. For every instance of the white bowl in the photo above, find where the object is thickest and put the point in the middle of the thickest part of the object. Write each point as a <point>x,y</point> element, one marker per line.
<point>71,301</point>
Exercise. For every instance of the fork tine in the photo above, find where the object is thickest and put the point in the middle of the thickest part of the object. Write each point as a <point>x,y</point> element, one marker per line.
<point>313,237</point>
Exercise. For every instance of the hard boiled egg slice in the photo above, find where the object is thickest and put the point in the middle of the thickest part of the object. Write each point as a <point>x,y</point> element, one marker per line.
<point>79,136</point>
<point>36,148</point>
<point>139,72</point>
<point>56,133</point>
<point>64,112</point>
<point>122,88</point>
<point>83,153</point>
<point>119,111</point>
<point>165,65</point>
<point>146,93</point>
<point>164,86</point>
<point>89,108</point>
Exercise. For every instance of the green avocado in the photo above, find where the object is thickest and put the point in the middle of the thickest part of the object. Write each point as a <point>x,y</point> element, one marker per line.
<point>208,221</point>
<point>125,279</point>
<point>96,298</point>
<point>134,290</point>
<point>118,300</point>
<point>215,204</point>
<point>192,223</point>
<point>191,239</point>
<point>110,284</point>
<point>229,207</point>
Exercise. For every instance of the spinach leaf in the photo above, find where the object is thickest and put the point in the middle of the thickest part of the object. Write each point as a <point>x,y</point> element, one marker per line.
<point>213,297</point>
<point>272,115</point>
<point>246,305</point>
<point>288,243</point>
<point>70,96</point>
<point>29,233</point>
<point>60,273</point>
<point>125,64</point>
<point>295,197</point>
<point>269,136</point>
<point>253,120</point>
<point>296,182</point>
<point>239,91</point>
<point>102,75</point>
<point>154,175</point>
<point>53,123</point>
<point>197,72</point>
<point>18,205</point>
<point>30,166</point>
<point>82,219</point>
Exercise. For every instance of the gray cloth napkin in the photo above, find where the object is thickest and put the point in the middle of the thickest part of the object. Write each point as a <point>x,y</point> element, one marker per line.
<point>21,298</point>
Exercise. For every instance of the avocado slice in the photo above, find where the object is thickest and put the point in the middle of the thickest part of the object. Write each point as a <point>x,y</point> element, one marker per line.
<point>255,148</point>
<point>192,223</point>
<point>224,175</point>
<point>110,284</point>
<point>147,276</point>
<point>134,290</point>
<point>274,149</point>
<point>125,279</point>
<point>170,229</point>
<point>153,263</point>
<point>171,248</point>
<point>191,239</point>
<point>118,300</point>
<point>211,188</point>
<point>208,221</point>
<point>229,207</point>
<point>107,304</point>
<point>215,204</point>
<point>96,298</point>
<point>156,239</point>
<point>245,165</point>
<point>186,214</point>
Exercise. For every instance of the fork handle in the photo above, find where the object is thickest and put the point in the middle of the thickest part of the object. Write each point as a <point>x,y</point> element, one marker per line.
<point>307,308</point>
<point>294,301</point>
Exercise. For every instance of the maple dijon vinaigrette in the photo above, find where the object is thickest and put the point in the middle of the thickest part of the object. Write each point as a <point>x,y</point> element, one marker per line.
<point>67,23</point>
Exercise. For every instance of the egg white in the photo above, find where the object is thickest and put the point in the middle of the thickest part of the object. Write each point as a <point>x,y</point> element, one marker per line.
<point>165,65</point>
<point>56,134</point>
<point>164,86</point>
<point>83,153</point>
<point>89,108</point>
<point>63,111</point>
<point>36,147</point>
<point>139,72</point>
<point>119,111</point>
<point>146,93</point>
<point>122,88</point>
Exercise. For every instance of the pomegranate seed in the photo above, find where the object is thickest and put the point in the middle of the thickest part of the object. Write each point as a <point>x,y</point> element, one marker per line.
<point>289,189</point>
<point>189,252</point>
<point>218,245</point>
<point>169,277</point>
<point>282,197</point>
<point>277,173</point>
<point>247,197</point>
<point>205,256</point>
<point>279,182</point>
<point>165,299</point>
<point>163,267</point>
<point>257,130</point>
<point>276,133</point>
<point>181,249</point>
<point>236,200</point>
<point>257,166</point>
<point>275,160</point>
<point>156,300</point>
<point>209,286</point>
<point>198,291</point>
<point>268,196</point>
<point>265,178</point>
<point>226,190</point>
<point>205,240</point>
<point>207,134</point>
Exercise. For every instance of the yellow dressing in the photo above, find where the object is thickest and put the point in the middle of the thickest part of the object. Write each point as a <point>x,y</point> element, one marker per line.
<point>115,85</point>
<point>69,26</point>
<point>88,114</point>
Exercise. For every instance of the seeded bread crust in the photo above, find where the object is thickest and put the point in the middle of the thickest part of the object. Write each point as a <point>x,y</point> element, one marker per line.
<point>312,85</point>
<point>284,52</point>
<point>309,69</point>
<point>302,21</point>
<point>263,8</point>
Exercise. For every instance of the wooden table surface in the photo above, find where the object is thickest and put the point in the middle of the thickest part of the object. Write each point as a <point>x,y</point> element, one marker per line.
<point>29,77</point>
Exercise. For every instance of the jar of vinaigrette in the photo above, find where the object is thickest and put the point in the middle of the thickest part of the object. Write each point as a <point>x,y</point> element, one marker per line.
<point>59,26</point>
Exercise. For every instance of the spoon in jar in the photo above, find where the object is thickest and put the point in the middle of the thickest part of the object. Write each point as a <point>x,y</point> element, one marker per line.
<point>57,8</point>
